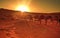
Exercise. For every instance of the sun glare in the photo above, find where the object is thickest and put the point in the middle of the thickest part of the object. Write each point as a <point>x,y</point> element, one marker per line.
<point>22,8</point>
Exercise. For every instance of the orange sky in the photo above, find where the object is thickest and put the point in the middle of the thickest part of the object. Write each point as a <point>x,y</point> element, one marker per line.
<point>34,5</point>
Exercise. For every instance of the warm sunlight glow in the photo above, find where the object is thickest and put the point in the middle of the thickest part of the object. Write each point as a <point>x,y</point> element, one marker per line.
<point>22,8</point>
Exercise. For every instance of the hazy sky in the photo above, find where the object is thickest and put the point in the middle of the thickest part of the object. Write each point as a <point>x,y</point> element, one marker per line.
<point>34,5</point>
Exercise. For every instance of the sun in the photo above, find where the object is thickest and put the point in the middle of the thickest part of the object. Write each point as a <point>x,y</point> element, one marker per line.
<point>22,8</point>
